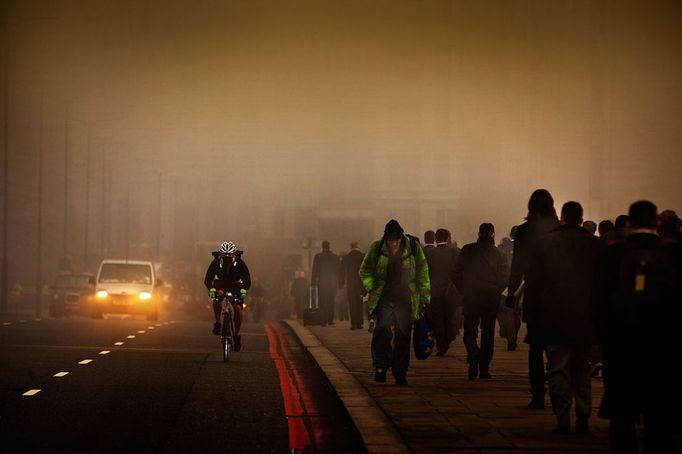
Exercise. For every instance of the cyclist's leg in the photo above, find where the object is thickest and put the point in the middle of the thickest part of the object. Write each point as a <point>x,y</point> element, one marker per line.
<point>237,318</point>
<point>217,309</point>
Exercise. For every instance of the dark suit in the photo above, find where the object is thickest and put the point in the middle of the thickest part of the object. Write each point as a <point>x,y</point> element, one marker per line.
<point>636,307</point>
<point>325,275</point>
<point>479,275</point>
<point>350,266</point>
<point>441,261</point>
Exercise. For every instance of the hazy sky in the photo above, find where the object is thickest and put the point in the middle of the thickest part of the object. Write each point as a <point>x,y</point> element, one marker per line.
<point>297,100</point>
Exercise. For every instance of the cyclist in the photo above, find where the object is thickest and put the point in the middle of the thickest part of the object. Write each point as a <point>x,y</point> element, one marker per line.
<point>228,273</point>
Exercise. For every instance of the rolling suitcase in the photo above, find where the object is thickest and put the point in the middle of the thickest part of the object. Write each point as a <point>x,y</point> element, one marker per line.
<point>313,315</point>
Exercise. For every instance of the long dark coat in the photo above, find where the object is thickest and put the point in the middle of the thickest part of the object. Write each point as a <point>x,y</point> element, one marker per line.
<point>558,284</point>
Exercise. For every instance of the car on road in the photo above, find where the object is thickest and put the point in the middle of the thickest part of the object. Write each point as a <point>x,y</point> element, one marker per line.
<point>127,287</point>
<point>72,294</point>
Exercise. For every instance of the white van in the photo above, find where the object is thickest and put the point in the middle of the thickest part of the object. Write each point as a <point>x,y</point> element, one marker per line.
<point>126,287</point>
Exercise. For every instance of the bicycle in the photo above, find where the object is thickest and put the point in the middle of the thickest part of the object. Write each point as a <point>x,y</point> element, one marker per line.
<point>227,323</point>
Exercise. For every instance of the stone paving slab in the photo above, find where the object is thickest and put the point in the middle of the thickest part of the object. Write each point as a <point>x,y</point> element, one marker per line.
<point>441,410</point>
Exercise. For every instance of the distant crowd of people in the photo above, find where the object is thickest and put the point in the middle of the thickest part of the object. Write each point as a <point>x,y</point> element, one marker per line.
<point>614,299</point>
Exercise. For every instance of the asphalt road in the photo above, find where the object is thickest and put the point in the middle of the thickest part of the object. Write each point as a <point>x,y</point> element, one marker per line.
<point>164,390</point>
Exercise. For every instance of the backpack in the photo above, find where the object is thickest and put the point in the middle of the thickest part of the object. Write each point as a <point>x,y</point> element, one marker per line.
<point>646,290</point>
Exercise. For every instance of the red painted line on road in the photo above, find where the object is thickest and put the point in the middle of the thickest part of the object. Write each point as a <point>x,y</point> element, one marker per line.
<point>298,435</point>
<point>317,431</point>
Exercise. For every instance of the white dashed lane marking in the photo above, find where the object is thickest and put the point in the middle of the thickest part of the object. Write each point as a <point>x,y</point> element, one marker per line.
<point>118,344</point>
<point>31,392</point>
<point>61,374</point>
<point>141,331</point>
<point>6,323</point>
<point>132,336</point>
<point>85,361</point>
<point>150,327</point>
<point>104,352</point>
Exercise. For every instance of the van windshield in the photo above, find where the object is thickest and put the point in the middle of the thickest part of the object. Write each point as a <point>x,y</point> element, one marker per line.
<point>125,273</point>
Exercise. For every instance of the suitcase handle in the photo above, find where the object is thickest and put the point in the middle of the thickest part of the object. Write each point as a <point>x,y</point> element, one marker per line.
<point>313,296</point>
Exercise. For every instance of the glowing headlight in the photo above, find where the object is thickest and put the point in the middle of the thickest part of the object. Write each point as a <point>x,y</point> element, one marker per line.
<point>102,294</point>
<point>145,295</point>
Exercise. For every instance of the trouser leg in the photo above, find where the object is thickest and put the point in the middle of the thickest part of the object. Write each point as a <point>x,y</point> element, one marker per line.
<point>355,307</point>
<point>487,341</point>
<point>502,317</point>
<point>382,352</point>
<point>559,374</point>
<point>401,341</point>
<point>438,324</point>
<point>536,369</point>
<point>581,383</point>
<point>471,321</point>
<point>217,309</point>
<point>237,318</point>
<point>330,308</point>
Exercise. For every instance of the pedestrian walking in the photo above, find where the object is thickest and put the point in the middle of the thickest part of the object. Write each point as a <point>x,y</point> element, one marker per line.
<point>557,303</point>
<point>350,279</point>
<point>540,220</point>
<point>429,240</point>
<point>441,261</point>
<point>396,276</point>
<point>300,289</point>
<point>510,323</point>
<point>480,276</point>
<point>325,276</point>
<point>636,307</point>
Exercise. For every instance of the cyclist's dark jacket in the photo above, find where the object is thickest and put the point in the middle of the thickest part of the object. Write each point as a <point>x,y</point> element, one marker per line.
<point>230,277</point>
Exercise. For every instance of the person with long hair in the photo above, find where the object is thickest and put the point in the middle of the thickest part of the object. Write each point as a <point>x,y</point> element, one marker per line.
<point>541,219</point>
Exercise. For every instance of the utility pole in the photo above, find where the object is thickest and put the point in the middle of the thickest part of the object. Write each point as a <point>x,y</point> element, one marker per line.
<point>39,276</point>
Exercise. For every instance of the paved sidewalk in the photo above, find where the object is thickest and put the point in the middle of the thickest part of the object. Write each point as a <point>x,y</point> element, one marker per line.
<point>442,411</point>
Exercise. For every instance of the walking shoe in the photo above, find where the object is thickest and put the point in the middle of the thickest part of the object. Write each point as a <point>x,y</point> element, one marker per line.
<point>401,380</point>
<point>237,343</point>
<point>370,329</point>
<point>473,371</point>
<point>485,375</point>
<point>380,375</point>
<point>216,328</point>
<point>582,425</point>
<point>537,403</point>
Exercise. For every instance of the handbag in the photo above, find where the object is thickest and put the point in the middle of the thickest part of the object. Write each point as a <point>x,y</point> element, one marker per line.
<point>422,337</point>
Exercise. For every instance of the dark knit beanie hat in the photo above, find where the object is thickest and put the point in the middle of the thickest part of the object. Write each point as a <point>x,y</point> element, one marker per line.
<point>393,229</point>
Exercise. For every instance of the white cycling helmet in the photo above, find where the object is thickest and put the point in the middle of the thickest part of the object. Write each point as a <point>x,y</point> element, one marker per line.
<point>228,247</point>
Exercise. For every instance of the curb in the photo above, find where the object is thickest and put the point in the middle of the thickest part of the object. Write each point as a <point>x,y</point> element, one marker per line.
<point>377,431</point>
